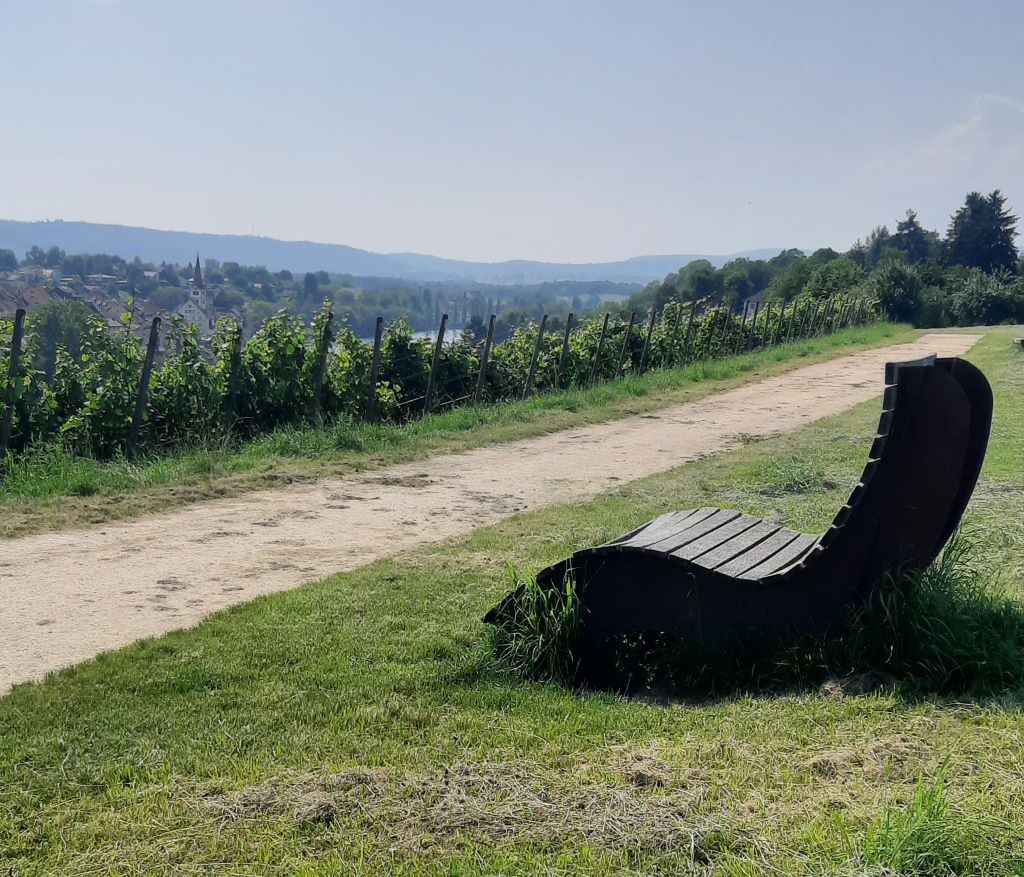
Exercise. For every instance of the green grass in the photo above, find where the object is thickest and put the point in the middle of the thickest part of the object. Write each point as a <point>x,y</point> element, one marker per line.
<point>356,726</point>
<point>51,489</point>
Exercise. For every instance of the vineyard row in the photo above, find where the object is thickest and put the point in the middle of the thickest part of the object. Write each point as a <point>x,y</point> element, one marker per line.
<point>121,398</point>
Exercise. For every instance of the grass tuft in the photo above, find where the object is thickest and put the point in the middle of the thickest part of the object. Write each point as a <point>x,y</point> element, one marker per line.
<point>779,477</point>
<point>930,838</point>
<point>537,632</point>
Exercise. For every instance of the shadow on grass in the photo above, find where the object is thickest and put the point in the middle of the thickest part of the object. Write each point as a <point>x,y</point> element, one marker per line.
<point>939,633</point>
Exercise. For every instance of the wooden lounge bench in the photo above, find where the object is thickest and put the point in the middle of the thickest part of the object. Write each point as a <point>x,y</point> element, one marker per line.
<point>715,576</point>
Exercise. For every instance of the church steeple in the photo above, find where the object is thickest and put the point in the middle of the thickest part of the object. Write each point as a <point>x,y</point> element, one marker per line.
<point>197,275</point>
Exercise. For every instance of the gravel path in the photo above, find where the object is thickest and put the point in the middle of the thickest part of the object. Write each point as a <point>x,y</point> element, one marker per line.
<point>66,597</point>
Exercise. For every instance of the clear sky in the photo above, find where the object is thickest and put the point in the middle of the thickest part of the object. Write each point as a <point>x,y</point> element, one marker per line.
<point>564,130</point>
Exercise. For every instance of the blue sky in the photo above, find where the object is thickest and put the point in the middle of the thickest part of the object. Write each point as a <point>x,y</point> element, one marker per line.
<point>557,130</point>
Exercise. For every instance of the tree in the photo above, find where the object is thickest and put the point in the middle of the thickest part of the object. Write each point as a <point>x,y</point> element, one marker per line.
<point>912,240</point>
<point>743,277</point>
<point>898,287</point>
<point>981,234</point>
<point>36,256</point>
<point>873,249</point>
<point>699,279</point>
<point>60,324</point>
<point>790,282</point>
<point>983,299</point>
<point>833,276</point>
<point>167,298</point>
<point>310,286</point>
<point>8,261</point>
<point>474,331</point>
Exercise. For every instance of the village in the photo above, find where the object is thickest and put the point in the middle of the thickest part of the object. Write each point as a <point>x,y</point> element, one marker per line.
<point>114,295</point>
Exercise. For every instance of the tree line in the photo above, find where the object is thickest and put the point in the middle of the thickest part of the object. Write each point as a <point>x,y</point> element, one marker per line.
<point>973,275</point>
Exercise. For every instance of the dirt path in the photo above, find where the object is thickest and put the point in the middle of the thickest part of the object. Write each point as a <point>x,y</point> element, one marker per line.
<point>65,597</point>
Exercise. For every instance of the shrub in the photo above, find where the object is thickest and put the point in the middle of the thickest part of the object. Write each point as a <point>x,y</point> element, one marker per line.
<point>898,288</point>
<point>983,299</point>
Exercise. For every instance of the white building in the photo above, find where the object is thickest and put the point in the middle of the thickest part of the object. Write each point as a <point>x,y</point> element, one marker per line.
<point>198,310</point>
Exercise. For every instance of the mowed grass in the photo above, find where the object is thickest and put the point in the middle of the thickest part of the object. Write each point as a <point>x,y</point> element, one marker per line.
<point>55,490</point>
<point>355,726</point>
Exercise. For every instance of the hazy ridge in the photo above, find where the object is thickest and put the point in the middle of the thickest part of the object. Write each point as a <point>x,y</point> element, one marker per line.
<point>153,245</point>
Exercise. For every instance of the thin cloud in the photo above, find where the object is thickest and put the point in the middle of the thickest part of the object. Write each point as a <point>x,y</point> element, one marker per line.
<point>995,131</point>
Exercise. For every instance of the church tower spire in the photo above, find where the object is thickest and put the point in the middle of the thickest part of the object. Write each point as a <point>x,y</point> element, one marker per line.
<point>197,274</point>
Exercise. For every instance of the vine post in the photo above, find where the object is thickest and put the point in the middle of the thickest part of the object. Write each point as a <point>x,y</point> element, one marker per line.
<point>371,402</point>
<point>11,396</point>
<point>323,348</point>
<point>565,351</point>
<point>792,320</point>
<point>743,326</point>
<point>726,325</point>
<point>681,360</point>
<point>625,343</point>
<point>140,398</point>
<point>536,355</point>
<point>434,364</point>
<point>753,327</point>
<point>826,321</point>
<point>600,347</point>
<point>670,353</point>
<point>234,354</point>
<point>647,339</point>
<point>482,377</point>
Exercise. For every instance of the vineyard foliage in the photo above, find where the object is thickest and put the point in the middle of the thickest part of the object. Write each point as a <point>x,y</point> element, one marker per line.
<point>233,390</point>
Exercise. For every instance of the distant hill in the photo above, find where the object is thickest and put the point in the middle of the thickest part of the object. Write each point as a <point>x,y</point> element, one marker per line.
<point>152,245</point>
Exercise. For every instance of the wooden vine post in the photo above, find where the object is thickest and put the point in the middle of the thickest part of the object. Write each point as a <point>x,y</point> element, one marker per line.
<point>234,355</point>
<point>743,326</point>
<point>11,395</point>
<point>434,364</point>
<point>140,398</point>
<point>684,350</point>
<point>371,402</point>
<point>323,348</point>
<point>625,343</point>
<point>482,377</point>
<point>565,352</point>
<point>600,347</point>
<point>670,353</point>
<point>647,339</point>
<point>536,355</point>
<point>753,327</point>
<point>726,325</point>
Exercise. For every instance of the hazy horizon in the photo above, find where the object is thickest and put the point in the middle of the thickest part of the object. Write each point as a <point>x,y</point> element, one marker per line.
<point>571,132</point>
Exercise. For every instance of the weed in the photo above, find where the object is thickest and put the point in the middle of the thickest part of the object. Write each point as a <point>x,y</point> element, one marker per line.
<point>537,631</point>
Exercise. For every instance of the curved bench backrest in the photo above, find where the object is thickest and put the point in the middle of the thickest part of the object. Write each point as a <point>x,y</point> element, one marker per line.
<point>920,474</point>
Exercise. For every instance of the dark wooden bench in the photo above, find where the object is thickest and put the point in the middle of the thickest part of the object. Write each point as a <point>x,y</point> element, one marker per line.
<point>715,575</point>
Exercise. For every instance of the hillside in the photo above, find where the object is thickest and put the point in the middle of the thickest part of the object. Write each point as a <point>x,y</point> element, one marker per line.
<point>157,246</point>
